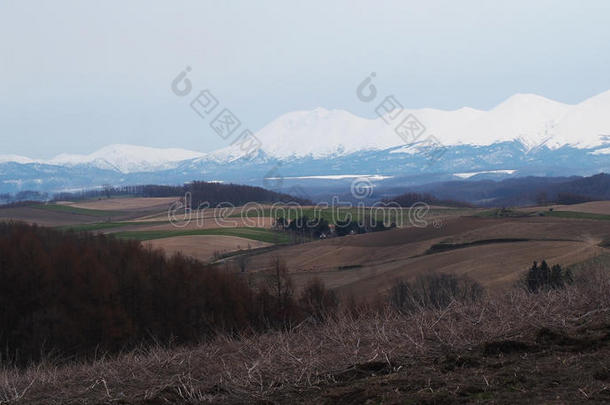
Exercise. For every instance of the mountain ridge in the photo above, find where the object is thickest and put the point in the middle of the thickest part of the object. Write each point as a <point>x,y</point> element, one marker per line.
<point>524,135</point>
<point>529,118</point>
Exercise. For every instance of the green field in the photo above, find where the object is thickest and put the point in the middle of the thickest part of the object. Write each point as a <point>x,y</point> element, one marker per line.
<point>259,234</point>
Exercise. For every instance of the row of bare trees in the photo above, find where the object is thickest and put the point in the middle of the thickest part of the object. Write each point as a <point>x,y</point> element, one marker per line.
<point>78,292</point>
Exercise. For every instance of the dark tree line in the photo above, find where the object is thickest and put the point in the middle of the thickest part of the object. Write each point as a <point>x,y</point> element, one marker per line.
<point>595,187</point>
<point>516,191</point>
<point>313,228</point>
<point>236,194</point>
<point>562,198</point>
<point>409,198</point>
<point>201,191</point>
<point>320,228</point>
<point>78,292</point>
<point>26,195</point>
<point>365,225</point>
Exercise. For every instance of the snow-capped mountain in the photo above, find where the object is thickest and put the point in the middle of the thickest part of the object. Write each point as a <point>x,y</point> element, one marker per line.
<point>526,134</point>
<point>127,158</point>
<point>15,158</point>
<point>533,120</point>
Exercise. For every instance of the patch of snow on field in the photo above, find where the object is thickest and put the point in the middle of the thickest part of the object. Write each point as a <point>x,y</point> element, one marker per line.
<point>468,175</point>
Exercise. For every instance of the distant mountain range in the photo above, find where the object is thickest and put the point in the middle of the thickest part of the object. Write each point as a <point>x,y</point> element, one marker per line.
<point>119,158</point>
<point>524,135</point>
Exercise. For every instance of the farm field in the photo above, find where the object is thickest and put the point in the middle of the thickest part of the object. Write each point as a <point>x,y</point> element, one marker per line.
<point>207,222</point>
<point>495,252</point>
<point>400,216</point>
<point>122,204</point>
<point>201,235</point>
<point>41,217</point>
<point>64,213</point>
<point>257,234</point>
<point>494,247</point>
<point>594,207</point>
<point>57,215</point>
<point>205,247</point>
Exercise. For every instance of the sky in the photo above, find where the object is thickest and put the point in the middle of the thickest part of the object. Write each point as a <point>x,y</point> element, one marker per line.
<point>79,75</point>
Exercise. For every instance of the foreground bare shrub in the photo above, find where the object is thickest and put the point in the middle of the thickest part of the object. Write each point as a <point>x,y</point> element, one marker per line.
<point>434,291</point>
<point>317,301</point>
<point>259,367</point>
<point>75,293</point>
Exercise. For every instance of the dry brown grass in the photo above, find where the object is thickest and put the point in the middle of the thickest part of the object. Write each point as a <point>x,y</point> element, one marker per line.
<point>593,207</point>
<point>292,363</point>
<point>205,223</point>
<point>125,204</point>
<point>43,217</point>
<point>205,247</point>
<point>370,263</point>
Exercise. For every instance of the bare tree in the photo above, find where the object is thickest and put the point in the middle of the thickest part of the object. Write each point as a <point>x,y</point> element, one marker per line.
<point>281,284</point>
<point>242,262</point>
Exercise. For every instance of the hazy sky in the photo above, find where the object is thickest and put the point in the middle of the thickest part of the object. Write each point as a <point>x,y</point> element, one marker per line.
<point>79,75</point>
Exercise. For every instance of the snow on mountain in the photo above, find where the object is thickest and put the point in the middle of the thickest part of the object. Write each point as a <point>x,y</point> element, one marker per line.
<point>15,158</point>
<point>587,124</point>
<point>530,119</point>
<point>525,117</point>
<point>603,151</point>
<point>472,174</point>
<point>128,158</point>
<point>323,132</point>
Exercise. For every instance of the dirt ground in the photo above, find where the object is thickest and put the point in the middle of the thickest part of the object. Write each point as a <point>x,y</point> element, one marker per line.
<point>203,223</point>
<point>123,204</point>
<point>369,263</point>
<point>44,217</point>
<point>204,247</point>
<point>207,215</point>
<point>594,207</point>
<point>548,366</point>
<point>366,264</point>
